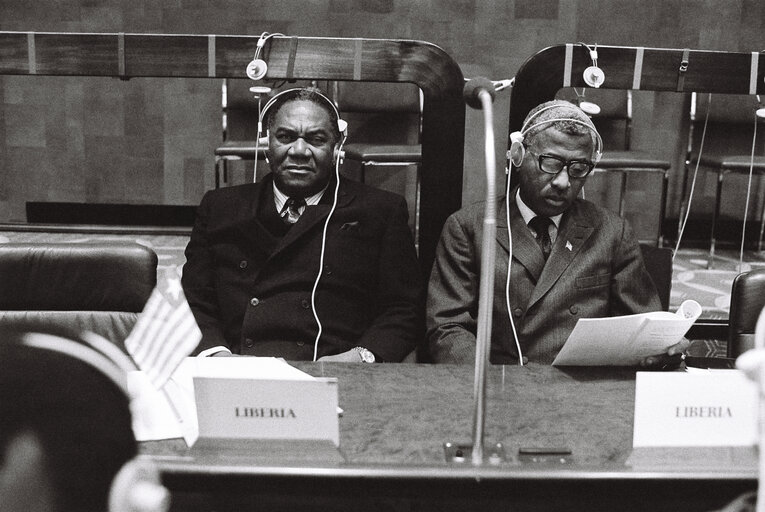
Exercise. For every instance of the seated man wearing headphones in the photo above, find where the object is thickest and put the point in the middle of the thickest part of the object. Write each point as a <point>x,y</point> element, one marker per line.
<point>304,264</point>
<point>570,258</point>
<point>66,438</point>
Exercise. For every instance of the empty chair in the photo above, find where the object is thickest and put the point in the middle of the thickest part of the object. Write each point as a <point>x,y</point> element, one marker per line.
<point>611,112</point>
<point>239,124</point>
<point>747,299</point>
<point>71,287</point>
<point>385,121</point>
<point>730,129</point>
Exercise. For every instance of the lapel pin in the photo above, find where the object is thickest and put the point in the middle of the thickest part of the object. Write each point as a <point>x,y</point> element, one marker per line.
<point>569,246</point>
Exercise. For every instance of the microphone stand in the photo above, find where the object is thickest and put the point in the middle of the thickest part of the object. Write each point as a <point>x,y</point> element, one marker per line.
<point>486,287</point>
<point>479,94</point>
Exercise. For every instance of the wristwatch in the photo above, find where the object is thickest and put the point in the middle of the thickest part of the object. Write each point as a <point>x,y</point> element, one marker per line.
<point>366,355</point>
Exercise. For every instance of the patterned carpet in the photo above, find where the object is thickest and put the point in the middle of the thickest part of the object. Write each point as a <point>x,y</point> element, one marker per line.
<point>691,279</point>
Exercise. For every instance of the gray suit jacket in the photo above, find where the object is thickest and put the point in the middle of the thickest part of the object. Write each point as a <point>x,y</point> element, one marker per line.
<point>595,270</point>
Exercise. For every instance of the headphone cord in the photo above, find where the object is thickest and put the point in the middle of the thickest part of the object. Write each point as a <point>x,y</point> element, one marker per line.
<point>693,181</point>
<point>748,193</point>
<point>323,247</point>
<point>507,280</point>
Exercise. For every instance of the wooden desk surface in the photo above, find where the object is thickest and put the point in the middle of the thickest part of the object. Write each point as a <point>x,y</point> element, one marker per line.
<point>397,418</point>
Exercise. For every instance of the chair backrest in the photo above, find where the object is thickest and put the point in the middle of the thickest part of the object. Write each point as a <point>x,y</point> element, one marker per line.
<point>658,263</point>
<point>747,299</point>
<point>240,109</point>
<point>380,113</point>
<point>730,124</point>
<point>614,121</point>
<point>74,287</point>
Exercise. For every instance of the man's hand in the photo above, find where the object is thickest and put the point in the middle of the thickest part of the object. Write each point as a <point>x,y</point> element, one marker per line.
<point>225,353</point>
<point>352,356</point>
<point>669,360</point>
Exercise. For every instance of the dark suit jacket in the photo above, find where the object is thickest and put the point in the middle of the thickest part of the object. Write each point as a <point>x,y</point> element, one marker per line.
<point>251,292</point>
<point>595,270</point>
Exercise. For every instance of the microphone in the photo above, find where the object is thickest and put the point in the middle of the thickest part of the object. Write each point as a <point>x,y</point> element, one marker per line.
<point>474,87</point>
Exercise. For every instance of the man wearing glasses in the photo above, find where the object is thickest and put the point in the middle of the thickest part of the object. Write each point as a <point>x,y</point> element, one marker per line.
<point>570,259</point>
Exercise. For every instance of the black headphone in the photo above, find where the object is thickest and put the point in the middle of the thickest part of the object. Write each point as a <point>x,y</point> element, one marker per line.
<point>136,486</point>
<point>342,125</point>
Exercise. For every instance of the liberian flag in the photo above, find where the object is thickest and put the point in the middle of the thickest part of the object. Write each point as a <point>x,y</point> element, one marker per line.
<point>164,334</point>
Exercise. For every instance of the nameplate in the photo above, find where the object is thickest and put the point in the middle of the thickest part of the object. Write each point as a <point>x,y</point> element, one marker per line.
<point>707,408</point>
<point>247,408</point>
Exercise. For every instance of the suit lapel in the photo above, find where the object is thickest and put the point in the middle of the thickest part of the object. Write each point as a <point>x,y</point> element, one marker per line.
<point>574,231</point>
<point>525,247</point>
<point>252,230</point>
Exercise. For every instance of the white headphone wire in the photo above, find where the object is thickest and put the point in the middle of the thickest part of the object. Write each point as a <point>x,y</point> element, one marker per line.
<point>323,247</point>
<point>507,279</point>
<point>748,194</point>
<point>693,181</point>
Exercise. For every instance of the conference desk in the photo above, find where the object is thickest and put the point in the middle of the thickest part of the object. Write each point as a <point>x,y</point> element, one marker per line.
<point>398,416</point>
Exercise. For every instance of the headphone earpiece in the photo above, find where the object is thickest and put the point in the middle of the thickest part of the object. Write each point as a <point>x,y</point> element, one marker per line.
<point>257,69</point>
<point>517,150</point>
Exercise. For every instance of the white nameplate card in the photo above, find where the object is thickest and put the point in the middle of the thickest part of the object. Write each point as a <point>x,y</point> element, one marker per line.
<point>712,408</point>
<point>266,409</point>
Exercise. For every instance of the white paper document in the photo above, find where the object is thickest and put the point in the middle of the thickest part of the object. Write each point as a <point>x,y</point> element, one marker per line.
<point>626,340</point>
<point>172,413</point>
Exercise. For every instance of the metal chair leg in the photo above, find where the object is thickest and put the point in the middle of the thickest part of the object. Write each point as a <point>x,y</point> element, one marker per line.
<point>762,228</point>
<point>623,193</point>
<point>662,208</point>
<point>715,214</point>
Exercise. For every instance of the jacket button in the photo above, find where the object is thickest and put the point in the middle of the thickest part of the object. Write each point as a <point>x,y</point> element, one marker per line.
<point>517,312</point>
<point>574,309</point>
<point>248,343</point>
<point>300,343</point>
<point>327,270</point>
<point>254,301</point>
<point>243,264</point>
<point>305,303</point>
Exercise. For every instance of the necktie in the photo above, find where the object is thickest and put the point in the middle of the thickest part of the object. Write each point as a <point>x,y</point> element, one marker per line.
<point>291,211</point>
<point>541,226</point>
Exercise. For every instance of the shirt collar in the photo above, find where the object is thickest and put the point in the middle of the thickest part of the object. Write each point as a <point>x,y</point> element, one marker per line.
<point>280,198</point>
<point>528,214</point>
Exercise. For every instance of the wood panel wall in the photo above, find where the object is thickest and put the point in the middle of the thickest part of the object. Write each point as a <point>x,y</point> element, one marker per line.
<point>151,140</point>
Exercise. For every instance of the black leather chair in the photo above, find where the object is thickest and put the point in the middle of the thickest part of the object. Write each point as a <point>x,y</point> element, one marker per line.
<point>747,300</point>
<point>71,287</point>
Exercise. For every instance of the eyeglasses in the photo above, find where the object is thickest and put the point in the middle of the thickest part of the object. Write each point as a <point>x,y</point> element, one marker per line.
<point>552,164</point>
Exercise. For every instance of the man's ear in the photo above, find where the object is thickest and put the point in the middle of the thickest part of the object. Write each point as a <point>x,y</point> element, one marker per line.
<point>24,479</point>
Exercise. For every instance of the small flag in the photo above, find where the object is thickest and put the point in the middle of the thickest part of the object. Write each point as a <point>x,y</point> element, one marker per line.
<point>569,246</point>
<point>164,334</point>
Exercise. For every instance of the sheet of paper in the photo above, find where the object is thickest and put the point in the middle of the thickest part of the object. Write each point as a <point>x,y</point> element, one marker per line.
<point>626,340</point>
